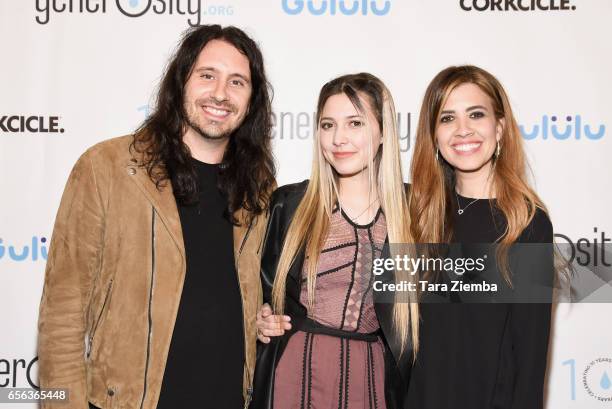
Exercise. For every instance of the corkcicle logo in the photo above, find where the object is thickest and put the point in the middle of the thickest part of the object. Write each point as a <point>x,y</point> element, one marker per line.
<point>574,128</point>
<point>35,251</point>
<point>333,7</point>
<point>30,123</point>
<point>516,5</point>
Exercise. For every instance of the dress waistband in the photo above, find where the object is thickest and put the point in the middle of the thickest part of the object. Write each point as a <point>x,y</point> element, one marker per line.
<point>310,325</point>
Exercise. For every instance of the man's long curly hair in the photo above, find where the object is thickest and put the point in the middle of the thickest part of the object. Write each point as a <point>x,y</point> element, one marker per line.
<point>247,173</point>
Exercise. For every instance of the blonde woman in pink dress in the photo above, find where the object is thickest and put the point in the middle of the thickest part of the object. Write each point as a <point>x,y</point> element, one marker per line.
<point>326,343</point>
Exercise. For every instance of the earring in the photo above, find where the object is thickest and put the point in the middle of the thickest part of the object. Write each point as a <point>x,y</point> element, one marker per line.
<point>498,150</point>
<point>437,154</point>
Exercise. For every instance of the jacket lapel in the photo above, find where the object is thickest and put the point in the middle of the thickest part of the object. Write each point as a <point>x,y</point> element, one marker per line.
<point>165,205</point>
<point>296,268</point>
<point>162,200</point>
<point>240,232</point>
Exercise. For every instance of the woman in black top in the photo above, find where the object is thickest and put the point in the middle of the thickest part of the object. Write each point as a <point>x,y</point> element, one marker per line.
<point>470,186</point>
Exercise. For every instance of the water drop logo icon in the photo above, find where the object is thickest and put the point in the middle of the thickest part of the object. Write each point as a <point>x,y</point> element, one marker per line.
<point>605,381</point>
<point>596,379</point>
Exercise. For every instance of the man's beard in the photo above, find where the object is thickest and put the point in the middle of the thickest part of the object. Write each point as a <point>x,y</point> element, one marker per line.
<point>208,135</point>
<point>219,135</point>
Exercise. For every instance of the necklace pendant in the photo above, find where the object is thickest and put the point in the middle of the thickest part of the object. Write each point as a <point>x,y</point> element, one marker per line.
<point>460,211</point>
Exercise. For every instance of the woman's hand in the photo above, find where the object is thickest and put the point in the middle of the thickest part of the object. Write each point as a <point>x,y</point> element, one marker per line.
<point>270,325</point>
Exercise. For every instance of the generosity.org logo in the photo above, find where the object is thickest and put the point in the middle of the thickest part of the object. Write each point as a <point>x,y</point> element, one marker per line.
<point>588,251</point>
<point>30,123</point>
<point>301,125</point>
<point>574,128</point>
<point>18,371</point>
<point>516,5</point>
<point>195,9</point>
<point>34,251</point>
<point>287,125</point>
<point>333,7</point>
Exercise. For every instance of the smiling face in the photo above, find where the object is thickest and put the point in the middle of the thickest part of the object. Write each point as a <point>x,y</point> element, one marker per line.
<point>218,91</point>
<point>467,130</point>
<point>346,142</point>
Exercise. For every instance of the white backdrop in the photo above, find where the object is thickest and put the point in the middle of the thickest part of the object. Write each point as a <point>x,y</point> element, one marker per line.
<point>90,70</point>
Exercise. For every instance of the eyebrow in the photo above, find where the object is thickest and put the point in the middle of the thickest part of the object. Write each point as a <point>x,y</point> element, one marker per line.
<point>467,110</point>
<point>327,118</point>
<point>213,69</point>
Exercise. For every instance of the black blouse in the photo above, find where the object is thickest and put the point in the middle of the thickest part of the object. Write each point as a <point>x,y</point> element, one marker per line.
<point>483,355</point>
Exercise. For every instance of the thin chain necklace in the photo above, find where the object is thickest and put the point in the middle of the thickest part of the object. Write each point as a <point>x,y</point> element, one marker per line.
<point>460,210</point>
<point>365,210</point>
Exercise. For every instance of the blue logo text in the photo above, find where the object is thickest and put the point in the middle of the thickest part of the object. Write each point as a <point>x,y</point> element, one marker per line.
<point>574,129</point>
<point>32,252</point>
<point>331,7</point>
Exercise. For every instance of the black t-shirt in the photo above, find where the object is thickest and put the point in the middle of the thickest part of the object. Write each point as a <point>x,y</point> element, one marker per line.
<point>205,363</point>
<point>480,355</point>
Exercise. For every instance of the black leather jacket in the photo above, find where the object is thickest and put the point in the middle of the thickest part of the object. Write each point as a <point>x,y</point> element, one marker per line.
<point>284,202</point>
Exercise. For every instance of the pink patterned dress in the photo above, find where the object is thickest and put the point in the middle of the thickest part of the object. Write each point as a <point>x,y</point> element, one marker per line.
<point>319,371</point>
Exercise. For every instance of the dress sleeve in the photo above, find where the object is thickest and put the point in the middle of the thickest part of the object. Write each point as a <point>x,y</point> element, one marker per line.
<point>530,319</point>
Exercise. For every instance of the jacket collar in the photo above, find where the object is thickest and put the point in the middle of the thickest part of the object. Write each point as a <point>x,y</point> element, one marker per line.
<point>164,202</point>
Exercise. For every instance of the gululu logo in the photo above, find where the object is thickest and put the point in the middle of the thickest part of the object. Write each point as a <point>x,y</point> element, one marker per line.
<point>516,5</point>
<point>331,7</point>
<point>574,129</point>
<point>33,123</point>
<point>195,9</point>
<point>33,252</point>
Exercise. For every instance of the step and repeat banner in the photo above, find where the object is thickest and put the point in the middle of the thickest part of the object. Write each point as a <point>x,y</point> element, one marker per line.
<point>76,72</point>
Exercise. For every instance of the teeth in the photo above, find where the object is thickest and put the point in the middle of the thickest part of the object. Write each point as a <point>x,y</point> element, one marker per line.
<point>466,147</point>
<point>218,112</point>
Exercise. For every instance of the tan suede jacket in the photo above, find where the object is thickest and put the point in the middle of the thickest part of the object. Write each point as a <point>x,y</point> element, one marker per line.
<point>113,283</point>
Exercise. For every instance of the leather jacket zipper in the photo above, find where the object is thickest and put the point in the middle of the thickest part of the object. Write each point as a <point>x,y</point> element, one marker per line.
<point>97,323</point>
<point>247,401</point>
<point>246,235</point>
<point>150,315</point>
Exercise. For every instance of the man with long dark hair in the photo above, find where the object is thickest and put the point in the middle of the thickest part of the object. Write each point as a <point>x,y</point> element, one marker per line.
<point>156,242</point>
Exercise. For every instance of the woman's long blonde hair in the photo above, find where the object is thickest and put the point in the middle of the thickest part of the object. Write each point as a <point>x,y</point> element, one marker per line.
<point>309,226</point>
<point>433,181</point>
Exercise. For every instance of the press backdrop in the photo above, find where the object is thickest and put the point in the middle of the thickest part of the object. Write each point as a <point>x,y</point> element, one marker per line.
<point>87,69</point>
